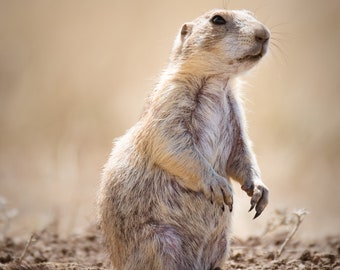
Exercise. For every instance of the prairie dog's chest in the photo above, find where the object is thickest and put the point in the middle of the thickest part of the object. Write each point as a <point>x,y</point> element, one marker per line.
<point>212,123</point>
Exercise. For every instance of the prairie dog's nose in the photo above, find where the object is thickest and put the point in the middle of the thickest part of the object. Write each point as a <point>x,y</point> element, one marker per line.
<point>261,33</point>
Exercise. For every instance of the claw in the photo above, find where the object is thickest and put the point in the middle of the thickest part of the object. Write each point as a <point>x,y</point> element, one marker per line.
<point>230,205</point>
<point>223,208</point>
<point>257,214</point>
<point>251,207</point>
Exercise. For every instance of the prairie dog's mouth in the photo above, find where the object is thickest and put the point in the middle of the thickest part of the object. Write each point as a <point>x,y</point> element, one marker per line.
<point>255,56</point>
<point>251,57</point>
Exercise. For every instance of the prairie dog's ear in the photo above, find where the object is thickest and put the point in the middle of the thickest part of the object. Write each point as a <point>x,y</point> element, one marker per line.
<point>181,37</point>
<point>186,31</point>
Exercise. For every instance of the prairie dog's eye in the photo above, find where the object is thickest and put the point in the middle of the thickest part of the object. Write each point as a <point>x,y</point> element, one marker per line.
<point>218,20</point>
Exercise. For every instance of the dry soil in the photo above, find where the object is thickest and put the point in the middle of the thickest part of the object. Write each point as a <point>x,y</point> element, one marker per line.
<point>48,251</point>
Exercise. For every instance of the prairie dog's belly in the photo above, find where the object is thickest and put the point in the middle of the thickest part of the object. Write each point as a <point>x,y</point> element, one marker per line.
<point>213,129</point>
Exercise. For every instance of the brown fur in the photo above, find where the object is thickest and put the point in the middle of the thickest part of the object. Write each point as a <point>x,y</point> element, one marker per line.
<point>166,197</point>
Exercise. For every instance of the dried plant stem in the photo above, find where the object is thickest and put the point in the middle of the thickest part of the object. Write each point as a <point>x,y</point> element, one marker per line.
<point>300,214</point>
<point>28,244</point>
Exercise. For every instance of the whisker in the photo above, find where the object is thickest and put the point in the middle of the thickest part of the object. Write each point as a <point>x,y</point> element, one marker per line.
<point>282,53</point>
<point>279,33</point>
<point>260,6</point>
<point>282,34</point>
<point>278,25</point>
<point>277,38</point>
<point>225,4</point>
<point>276,31</point>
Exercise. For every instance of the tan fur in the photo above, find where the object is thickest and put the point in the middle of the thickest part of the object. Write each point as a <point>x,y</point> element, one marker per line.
<point>165,197</point>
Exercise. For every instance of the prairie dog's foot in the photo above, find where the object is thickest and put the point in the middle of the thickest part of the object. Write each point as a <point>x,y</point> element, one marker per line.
<point>258,193</point>
<point>217,189</point>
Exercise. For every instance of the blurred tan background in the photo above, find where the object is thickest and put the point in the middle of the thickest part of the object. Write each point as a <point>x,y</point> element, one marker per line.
<point>74,75</point>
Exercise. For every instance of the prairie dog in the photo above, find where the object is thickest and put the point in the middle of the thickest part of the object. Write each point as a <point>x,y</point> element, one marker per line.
<point>165,197</point>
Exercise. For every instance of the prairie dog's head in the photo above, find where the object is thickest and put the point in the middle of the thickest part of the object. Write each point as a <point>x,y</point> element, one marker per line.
<point>221,42</point>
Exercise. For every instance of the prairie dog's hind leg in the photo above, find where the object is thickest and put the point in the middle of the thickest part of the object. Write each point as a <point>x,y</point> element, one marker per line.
<point>161,249</point>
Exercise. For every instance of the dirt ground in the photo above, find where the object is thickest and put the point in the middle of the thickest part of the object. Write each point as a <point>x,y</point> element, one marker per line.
<point>47,250</point>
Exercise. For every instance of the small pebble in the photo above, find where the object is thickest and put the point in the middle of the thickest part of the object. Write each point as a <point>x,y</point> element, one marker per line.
<point>306,256</point>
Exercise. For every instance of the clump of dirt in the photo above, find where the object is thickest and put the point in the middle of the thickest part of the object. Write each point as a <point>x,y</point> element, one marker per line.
<point>262,253</point>
<point>47,251</point>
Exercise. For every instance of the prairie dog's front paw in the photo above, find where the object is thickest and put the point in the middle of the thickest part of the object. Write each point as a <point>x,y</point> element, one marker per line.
<point>217,189</point>
<point>258,193</point>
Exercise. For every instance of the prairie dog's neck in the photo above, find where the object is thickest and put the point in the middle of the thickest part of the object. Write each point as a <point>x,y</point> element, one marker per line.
<point>175,78</point>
